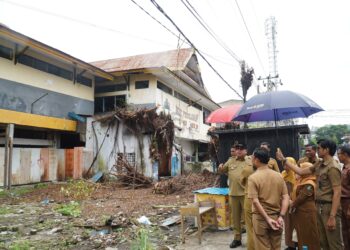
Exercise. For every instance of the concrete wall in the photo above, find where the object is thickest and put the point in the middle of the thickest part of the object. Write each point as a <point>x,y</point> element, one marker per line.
<point>116,139</point>
<point>32,165</point>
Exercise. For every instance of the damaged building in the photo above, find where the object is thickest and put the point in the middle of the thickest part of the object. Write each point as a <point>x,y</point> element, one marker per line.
<point>169,82</point>
<point>45,95</point>
<point>61,117</point>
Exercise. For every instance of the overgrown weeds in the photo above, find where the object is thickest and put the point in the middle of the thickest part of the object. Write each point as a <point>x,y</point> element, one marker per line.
<point>78,190</point>
<point>70,209</point>
<point>142,242</point>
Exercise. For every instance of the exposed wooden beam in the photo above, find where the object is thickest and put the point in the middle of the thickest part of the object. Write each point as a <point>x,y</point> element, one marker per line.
<point>19,53</point>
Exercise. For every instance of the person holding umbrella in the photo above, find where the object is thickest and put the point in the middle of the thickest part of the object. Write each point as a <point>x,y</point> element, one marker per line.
<point>328,191</point>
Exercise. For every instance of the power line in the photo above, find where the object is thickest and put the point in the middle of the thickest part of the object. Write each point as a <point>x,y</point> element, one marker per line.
<point>193,46</point>
<point>251,39</point>
<point>175,35</point>
<point>202,22</point>
<point>84,22</point>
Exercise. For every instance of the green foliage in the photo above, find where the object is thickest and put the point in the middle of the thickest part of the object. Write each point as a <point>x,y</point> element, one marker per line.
<point>78,190</point>
<point>5,210</point>
<point>20,245</point>
<point>142,241</point>
<point>40,185</point>
<point>70,209</point>
<point>332,132</point>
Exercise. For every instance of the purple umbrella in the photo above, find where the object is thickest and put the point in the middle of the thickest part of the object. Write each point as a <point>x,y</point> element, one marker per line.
<point>276,106</point>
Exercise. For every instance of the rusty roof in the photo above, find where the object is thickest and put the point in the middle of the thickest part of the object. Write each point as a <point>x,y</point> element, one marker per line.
<point>172,59</point>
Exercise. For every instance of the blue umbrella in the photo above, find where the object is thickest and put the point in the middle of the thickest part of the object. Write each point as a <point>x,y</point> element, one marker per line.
<point>276,106</point>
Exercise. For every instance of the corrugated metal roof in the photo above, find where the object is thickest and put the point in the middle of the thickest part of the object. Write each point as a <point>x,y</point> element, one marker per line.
<point>172,59</point>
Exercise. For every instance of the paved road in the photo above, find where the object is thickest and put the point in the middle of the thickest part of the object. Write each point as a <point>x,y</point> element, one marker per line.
<point>213,241</point>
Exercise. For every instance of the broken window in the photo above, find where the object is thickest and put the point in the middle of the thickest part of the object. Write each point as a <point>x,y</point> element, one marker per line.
<point>130,157</point>
<point>141,84</point>
<point>109,103</point>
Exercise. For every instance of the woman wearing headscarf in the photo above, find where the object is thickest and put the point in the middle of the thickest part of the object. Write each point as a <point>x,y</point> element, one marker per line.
<point>304,214</point>
<point>289,179</point>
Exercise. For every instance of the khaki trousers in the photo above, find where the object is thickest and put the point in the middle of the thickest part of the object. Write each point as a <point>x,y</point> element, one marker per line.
<point>237,211</point>
<point>345,221</point>
<point>248,222</point>
<point>330,240</point>
<point>265,238</point>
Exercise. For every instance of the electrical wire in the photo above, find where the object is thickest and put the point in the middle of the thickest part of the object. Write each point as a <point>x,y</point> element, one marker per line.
<point>202,22</point>
<point>251,39</point>
<point>85,23</point>
<point>160,9</point>
<point>175,35</point>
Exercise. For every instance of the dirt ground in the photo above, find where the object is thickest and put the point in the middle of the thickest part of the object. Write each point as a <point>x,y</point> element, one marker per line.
<point>82,215</point>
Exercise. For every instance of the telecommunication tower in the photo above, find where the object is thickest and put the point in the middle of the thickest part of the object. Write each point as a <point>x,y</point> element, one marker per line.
<point>272,80</point>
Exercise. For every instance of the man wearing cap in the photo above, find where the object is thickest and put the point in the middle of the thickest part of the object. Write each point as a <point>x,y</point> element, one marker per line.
<point>234,169</point>
<point>328,192</point>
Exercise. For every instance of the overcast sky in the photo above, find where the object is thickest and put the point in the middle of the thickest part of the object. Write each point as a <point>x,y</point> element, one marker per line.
<point>313,37</point>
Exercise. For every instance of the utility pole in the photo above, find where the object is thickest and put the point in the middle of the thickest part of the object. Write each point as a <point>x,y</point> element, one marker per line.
<point>271,81</point>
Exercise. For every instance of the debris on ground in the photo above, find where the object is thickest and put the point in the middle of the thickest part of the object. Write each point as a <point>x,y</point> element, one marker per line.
<point>187,183</point>
<point>128,175</point>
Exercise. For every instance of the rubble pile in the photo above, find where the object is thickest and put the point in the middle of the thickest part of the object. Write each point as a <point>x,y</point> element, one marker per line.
<point>128,175</point>
<point>187,183</point>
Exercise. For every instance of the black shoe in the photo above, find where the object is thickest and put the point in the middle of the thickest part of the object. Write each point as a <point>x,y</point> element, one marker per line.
<point>235,243</point>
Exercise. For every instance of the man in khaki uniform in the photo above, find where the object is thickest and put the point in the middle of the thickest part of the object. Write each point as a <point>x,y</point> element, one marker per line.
<point>272,162</point>
<point>310,154</point>
<point>328,191</point>
<point>266,189</point>
<point>234,167</point>
<point>247,171</point>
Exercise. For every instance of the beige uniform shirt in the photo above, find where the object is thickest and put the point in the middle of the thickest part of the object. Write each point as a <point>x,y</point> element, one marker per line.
<point>268,186</point>
<point>234,168</point>
<point>246,172</point>
<point>328,176</point>
<point>305,159</point>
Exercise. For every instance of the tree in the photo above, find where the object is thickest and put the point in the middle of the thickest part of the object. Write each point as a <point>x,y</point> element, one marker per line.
<point>246,78</point>
<point>333,132</point>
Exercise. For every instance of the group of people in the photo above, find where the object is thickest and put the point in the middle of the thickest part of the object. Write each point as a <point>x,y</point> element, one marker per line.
<point>309,199</point>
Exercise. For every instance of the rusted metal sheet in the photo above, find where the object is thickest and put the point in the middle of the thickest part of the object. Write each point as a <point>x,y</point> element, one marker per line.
<point>61,165</point>
<point>52,164</point>
<point>32,165</point>
<point>69,166</point>
<point>44,164</point>
<point>78,163</point>
<point>173,60</point>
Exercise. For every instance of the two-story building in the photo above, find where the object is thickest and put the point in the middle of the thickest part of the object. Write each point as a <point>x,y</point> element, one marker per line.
<point>41,88</point>
<point>169,80</point>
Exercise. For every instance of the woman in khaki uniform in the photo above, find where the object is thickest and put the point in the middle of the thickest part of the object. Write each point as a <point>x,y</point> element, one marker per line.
<point>289,179</point>
<point>304,214</point>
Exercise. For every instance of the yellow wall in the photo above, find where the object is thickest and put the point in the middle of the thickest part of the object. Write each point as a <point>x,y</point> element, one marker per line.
<point>36,78</point>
